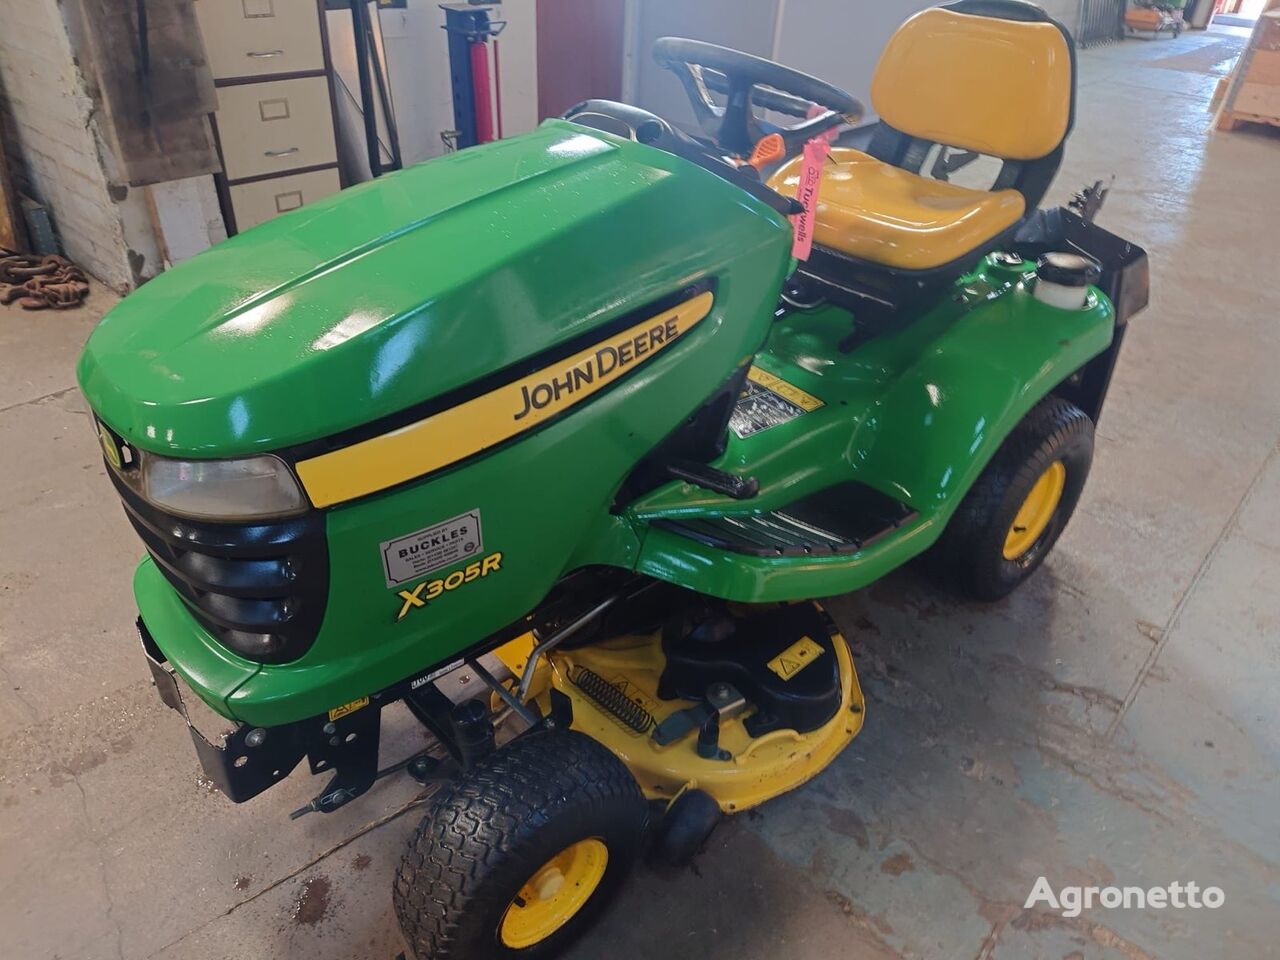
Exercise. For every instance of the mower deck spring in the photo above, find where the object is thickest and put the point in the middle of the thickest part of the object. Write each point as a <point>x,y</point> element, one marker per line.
<point>612,700</point>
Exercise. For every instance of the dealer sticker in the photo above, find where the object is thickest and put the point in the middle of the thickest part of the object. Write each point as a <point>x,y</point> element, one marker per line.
<point>441,545</point>
<point>768,401</point>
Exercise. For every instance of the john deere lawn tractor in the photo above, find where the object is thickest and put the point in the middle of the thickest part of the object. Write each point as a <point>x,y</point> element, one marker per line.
<point>553,441</point>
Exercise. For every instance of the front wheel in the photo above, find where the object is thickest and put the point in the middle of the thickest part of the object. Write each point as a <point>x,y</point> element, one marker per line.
<point>1018,507</point>
<point>522,852</point>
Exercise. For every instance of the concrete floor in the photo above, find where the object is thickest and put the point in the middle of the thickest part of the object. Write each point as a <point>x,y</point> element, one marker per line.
<point>1114,723</point>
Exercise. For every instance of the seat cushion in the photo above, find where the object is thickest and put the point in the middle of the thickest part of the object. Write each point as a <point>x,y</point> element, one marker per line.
<point>983,83</point>
<point>876,212</point>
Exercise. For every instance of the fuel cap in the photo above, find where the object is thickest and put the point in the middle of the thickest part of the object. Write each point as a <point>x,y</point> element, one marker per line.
<point>1068,269</point>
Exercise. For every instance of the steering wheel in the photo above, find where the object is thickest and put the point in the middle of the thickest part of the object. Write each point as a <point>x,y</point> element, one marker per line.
<point>621,119</point>
<point>635,123</point>
<point>748,81</point>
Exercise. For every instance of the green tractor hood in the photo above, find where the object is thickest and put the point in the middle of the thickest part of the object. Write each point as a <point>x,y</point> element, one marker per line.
<point>396,291</point>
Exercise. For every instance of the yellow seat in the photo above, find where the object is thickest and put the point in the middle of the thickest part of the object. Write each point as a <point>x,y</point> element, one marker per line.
<point>993,77</point>
<point>877,212</point>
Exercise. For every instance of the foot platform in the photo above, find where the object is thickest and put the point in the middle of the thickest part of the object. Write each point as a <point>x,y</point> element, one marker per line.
<point>838,520</point>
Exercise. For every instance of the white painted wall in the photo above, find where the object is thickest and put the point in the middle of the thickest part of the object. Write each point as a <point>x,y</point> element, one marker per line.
<point>190,219</point>
<point>837,40</point>
<point>57,155</point>
<point>840,40</point>
<point>1066,12</point>
<point>746,25</point>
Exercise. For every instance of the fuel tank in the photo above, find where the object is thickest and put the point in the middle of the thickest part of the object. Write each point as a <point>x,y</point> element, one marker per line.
<point>396,291</point>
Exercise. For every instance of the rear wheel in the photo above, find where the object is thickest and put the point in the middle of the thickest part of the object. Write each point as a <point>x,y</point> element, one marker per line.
<point>522,852</point>
<point>1016,510</point>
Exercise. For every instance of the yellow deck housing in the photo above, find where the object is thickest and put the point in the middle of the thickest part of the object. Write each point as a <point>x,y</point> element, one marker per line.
<point>761,768</point>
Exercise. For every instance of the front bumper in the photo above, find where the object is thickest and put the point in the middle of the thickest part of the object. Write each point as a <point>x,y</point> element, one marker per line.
<point>344,740</point>
<point>251,759</point>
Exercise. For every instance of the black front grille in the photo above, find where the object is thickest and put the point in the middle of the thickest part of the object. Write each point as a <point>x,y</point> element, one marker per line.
<point>258,587</point>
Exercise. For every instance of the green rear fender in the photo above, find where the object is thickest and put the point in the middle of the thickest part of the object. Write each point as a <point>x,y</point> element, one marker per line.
<point>915,414</point>
<point>942,420</point>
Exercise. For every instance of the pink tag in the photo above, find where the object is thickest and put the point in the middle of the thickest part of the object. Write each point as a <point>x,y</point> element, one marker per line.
<point>802,224</point>
<point>830,135</point>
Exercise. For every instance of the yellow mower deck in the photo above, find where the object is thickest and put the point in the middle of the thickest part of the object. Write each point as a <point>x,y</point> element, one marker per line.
<point>759,768</point>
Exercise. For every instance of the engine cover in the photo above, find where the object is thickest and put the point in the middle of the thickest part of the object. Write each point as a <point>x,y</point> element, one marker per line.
<point>781,660</point>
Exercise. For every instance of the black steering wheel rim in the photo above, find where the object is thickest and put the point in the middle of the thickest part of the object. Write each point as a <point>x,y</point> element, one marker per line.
<point>636,123</point>
<point>640,125</point>
<point>750,81</point>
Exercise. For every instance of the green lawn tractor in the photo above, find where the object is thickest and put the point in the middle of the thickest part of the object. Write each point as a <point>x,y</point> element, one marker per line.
<point>553,443</point>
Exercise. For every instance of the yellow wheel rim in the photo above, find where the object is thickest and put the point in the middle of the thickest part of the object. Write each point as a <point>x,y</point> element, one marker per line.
<point>1036,511</point>
<point>554,894</point>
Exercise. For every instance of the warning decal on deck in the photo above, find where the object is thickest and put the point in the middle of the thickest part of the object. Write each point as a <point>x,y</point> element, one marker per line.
<point>767,401</point>
<point>795,658</point>
<point>636,695</point>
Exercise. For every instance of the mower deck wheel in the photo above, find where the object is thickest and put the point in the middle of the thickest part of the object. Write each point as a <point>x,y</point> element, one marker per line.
<point>519,854</point>
<point>1018,507</point>
<point>685,827</point>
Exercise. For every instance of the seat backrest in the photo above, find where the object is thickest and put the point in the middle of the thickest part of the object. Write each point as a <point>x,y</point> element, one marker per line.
<point>992,76</point>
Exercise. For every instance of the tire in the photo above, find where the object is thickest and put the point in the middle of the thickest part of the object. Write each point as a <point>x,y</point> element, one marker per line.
<point>685,827</point>
<point>497,827</point>
<point>970,555</point>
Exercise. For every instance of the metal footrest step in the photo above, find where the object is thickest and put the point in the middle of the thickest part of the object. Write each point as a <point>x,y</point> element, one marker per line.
<point>838,520</point>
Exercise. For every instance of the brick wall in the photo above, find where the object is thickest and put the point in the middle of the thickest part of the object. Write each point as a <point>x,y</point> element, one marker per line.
<point>55,153</point>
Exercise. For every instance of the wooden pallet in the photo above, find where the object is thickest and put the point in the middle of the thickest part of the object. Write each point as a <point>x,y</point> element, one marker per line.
<point>1230,119</point>
<point>1253,92</point>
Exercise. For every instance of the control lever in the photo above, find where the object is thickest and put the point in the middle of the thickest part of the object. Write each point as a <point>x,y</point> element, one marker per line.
<point>723,702</point>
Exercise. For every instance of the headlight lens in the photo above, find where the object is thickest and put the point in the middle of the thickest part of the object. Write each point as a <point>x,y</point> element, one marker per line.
<point>252,488</point>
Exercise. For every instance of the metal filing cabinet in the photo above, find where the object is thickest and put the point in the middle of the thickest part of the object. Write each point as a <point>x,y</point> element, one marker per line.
<point>275,122</point>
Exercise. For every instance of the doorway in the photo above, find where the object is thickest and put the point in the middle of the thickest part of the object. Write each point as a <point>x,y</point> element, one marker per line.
<point>579,52</point>
<point>1238,13</point>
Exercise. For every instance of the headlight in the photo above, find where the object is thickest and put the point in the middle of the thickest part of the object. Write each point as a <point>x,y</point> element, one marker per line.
<point>252,488</point>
